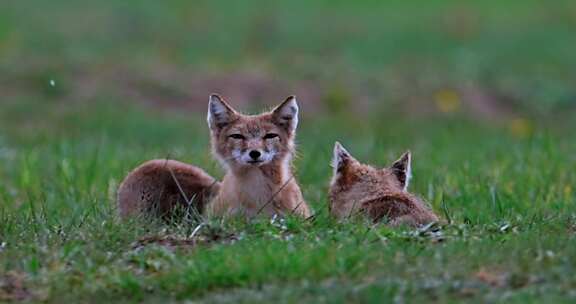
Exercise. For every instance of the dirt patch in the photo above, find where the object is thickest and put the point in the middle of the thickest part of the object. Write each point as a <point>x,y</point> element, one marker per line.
<point>159,86</point>
<point>488,104</point>
<point>492,277</point>
<point>202,235</point>
<point>169,87</point>
<point>13,288</point>
<point>164,241</point>
<point>243,89</point>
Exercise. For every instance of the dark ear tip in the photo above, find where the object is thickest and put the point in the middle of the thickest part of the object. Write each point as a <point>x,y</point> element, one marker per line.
<point>340,150</point>
<point>215,96</point>
<point>405,156</point>
<point>291,98</point>
<point>341,157</point>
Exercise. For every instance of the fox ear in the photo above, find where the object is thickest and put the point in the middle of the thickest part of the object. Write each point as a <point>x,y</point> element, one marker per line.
<point>286,114</point>
<point>219,112</point>
<point>341,158</point>
<point>402,169</point>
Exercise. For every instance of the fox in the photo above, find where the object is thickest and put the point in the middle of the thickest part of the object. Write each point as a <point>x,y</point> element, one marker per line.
<point>378,194</point>
<point>256,151</point>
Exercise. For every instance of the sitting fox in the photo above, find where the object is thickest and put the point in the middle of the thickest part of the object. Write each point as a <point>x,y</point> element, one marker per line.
<point>255,150</point>
<point>379,194</point>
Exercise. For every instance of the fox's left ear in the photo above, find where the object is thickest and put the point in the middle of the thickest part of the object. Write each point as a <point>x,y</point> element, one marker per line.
<point>219,112</point>
<point>341,158</point>
<point>286,114</point>
<point>402,169</point>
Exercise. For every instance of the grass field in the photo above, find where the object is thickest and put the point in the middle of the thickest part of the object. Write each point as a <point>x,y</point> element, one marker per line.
<point>72,124</point>
<point>510,199</point>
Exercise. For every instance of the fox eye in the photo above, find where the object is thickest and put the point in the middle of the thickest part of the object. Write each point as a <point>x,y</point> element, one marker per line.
<point>236,136</point>
<point>270,135</point>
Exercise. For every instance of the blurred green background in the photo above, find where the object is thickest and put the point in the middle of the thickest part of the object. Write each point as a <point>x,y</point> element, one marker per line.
<point>484,59</point>
<point>482,92</point>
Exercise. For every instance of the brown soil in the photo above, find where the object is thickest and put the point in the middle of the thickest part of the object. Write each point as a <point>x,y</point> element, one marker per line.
<point>184,89</point>
<point>12,287</point>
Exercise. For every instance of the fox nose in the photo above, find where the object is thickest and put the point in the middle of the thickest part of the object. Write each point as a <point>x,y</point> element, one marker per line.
<point>255,154</point>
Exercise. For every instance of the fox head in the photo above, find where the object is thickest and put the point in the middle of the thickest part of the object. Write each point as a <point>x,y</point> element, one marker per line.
<point>354,182</point>
<point>246,141</point>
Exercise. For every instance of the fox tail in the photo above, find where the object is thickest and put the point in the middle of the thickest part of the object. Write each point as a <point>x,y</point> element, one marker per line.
<point>161,187</point>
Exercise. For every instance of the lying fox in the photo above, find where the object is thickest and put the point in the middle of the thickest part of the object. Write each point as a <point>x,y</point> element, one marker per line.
<point>255,150</point>
<point>379,194</point>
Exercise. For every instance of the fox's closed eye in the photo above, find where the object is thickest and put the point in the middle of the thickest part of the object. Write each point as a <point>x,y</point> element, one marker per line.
<point>236,136</point>
<point>270,136</point>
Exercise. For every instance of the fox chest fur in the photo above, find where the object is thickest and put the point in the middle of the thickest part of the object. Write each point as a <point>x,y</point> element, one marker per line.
<point>256,192</point>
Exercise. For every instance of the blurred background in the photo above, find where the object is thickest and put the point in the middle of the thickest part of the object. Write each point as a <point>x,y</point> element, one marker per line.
<point>482,92</point>
<point>489,60</point>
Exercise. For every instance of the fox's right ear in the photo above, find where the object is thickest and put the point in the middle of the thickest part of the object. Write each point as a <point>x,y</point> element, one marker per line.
<point>402,169</point>
<point>286,114</point>
<point>219,112</point>
<point>341,158</point>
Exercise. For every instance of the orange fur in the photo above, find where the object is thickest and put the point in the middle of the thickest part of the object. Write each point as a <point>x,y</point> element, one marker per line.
<point>157,187</point>
<point>252,185</point>
<point>376,193</point>
<point>268,186</point>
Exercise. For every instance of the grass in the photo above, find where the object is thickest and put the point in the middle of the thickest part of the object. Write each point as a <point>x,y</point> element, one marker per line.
<point>510,200</point>
<point>71,74</point>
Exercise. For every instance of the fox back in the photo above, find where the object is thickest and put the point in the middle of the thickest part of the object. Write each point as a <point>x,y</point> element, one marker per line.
<point>380,194</point>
